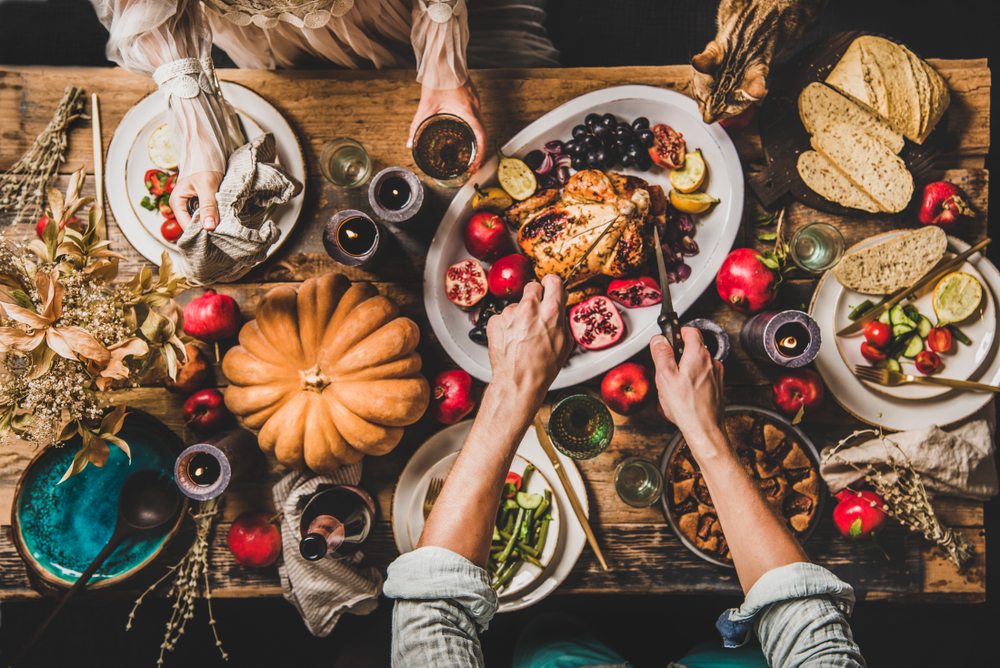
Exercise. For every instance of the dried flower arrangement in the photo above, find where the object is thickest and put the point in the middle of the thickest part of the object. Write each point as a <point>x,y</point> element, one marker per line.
<point>23,186</point>
<point>187,572</point>
<point>69,335</point>
<point>905,497</point>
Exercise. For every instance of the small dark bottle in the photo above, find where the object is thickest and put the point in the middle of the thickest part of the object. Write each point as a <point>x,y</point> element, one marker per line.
<point>335,521</point>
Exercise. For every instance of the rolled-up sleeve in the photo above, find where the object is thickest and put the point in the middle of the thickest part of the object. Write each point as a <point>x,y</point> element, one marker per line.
<point>799,613</point>
<point>443,602</point>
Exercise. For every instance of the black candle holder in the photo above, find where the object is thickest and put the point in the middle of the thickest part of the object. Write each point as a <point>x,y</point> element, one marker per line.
<point>333,242</point>
<point>385,179</point>
<point>716,339</point>
<point>227,455</point>
<point>759,336</point>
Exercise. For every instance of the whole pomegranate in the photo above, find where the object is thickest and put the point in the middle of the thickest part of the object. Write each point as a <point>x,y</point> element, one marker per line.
<point>859,515</point>
<point>212,317</point>
<point>254,539</point>
<point>508,276</point>
<point>628,388</point>
<point>452,396</point>
<point>942,204</point>
<point>745,282</point>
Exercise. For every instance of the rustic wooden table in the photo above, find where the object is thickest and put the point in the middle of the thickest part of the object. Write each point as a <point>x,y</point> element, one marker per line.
<point>376,109</point>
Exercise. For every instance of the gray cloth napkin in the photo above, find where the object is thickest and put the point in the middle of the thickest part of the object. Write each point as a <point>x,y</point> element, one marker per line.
<point>322,590</point>
<point>241,239</point>
<point>955,463</point>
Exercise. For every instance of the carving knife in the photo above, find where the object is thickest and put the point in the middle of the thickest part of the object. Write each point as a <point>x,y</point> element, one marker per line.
<point>579,263</point>
<point>902,294</point>
<point>668,322</point>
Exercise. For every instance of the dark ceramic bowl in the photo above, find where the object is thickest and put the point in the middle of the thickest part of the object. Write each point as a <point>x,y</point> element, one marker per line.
<point>810,449</point>
<point>58,529</point>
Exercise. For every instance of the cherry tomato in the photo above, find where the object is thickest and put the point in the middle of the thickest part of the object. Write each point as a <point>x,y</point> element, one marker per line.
<point>153,182</point>
<point>939,340</point>
<point>171,230</point>
<point>167,212</point>
<point>740,121</point>
<point>44,220</point>
<point>511,485</point>
<point>928,362</point>
<point>168,187</point>
<point>878,334</point>
<point>871,353</point>
<point>669,148</point>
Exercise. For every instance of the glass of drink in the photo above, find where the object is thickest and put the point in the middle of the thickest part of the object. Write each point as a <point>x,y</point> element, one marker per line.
<point>444,147</point>
<point>345,163</point>
<point>817,247</point>
<point>638,482</point>
<point>581,426</point>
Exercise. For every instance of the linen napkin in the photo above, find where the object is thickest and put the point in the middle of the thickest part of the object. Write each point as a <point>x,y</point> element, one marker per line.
<point>959,462</point>
<point>244,234</point>
<point>321,590</point>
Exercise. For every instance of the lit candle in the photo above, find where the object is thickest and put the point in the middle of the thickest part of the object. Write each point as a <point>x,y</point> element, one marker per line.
<point>787,338</point>
<point>396,195</point>
<point>352,238</point>
<point>205,470</point>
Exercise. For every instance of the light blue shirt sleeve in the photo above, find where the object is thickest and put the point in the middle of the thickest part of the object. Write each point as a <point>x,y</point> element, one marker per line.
<point>799,613</point>
<point>443,603</point>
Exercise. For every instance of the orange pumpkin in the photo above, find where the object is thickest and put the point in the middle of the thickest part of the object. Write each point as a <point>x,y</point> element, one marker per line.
<point>327,374</point>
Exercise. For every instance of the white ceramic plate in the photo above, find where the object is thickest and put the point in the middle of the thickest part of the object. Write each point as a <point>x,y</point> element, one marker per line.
<point>960,363</point>
<point>715,234</point>
<point>537,484</point>
<point>895,413</point>
<point>128,160</point>
<point>570,539</point>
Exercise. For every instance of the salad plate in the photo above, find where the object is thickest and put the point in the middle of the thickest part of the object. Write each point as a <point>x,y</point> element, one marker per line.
<point>894,413</point>
<point>128,161</point>
<point>570,539</point>
<point>716,229</point>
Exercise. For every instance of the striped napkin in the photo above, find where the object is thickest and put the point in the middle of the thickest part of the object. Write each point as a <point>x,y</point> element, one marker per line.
<point>321,590</point>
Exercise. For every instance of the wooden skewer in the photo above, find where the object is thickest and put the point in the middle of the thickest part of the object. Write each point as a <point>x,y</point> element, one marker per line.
<point>95,115</point>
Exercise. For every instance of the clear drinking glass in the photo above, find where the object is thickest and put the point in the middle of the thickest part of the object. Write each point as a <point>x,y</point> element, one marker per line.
<point>345,163</point>
<point>638,482</point>
<point>817,247</point>
<point>444,148</point>
<point>581,426</point>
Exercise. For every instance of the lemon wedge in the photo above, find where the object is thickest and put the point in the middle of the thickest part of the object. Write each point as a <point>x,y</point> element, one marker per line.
<point>691,202</point>
<point>494,200</point>
<point>689,178</point>
<point>516,177</point>
<point>956,297</point>
<point>159,149</point>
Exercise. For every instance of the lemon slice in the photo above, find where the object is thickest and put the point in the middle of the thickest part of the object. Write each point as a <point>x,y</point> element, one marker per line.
<point>516,177</point>
<point>689,178</point>
<point>490,199</point>
<point>691,202</point>
<point>956,297</point>
<point>159,149</point>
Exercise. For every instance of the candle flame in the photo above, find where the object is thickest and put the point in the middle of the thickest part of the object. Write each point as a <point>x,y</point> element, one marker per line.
<point>788,342</point>
<point>351,234</point>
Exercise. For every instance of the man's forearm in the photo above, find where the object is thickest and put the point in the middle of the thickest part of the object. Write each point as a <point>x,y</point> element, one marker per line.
<point>464,515</point>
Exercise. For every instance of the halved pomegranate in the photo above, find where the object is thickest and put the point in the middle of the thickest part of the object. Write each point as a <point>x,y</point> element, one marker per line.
<point>596,323</point>
<point>635,292</point>
<point>465,283</point>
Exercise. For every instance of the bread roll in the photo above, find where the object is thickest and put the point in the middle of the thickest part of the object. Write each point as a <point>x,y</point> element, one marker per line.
<point>893,264</point>
<point>817,173</point>
<point>820,105</point>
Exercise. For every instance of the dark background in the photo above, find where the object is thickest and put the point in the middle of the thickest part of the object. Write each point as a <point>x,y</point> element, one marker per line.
<point>649,631</point>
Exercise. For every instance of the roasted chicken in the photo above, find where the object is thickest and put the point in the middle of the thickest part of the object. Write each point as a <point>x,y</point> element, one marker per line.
<point>560,230</point>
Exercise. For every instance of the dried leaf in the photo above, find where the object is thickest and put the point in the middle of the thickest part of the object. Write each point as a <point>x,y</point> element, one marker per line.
<point>56,204</point>
<point>27,317</point>
<point>98,452</point>
<point>80,461</point>
<point>767,237</point>
<point>75,205</point>
<point>112,422</point>
<point>170,356</point>
<point>71,341</point>
<point>21,297</point>
<point>5,419</point>
<point>38,248</point>
<point>69,430</point>
<point>76,183</point>
<point>42,358</point>
<point>156,329</point>
<point>103,270</point>
<point>764,219</point>
<point>15,339</point>
<point>120,443</point>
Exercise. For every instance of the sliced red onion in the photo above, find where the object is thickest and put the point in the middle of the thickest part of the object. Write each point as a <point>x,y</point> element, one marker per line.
<point>561,175</point>
<point>685,224</point>
<point>546,166</point>
<point>554,146</point>
<point>669,232</point>
<point>684,271</point>
<point>669,255</point>
<point>534,160</point>
<point>687,246</point>
<point>561,159</point>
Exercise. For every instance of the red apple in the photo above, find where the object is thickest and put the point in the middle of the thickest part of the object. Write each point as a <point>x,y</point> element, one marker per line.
<point>193,371</point>
<point>486,237</point>
<point>859,514</point>
<point>628,388</point>
<point>44,220</point>
<point>205,411</point>
<point>254,539</point>
<point>798,392</point>
<point>452,396</point>
<point>508,276</point>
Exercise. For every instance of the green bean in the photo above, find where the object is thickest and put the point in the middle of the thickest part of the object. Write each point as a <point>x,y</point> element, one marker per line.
<point>525,526</point>
<point>525,548</point>
<point>540,544</point>
<point>506,574</point>
<point>960,335</point>
<point>508,526</point>
<point>543,506</point>
<point>510,543</point>
<point>861,309</point>
<point>528,470</point>
<point>491,566</point>
<point>531,560</point>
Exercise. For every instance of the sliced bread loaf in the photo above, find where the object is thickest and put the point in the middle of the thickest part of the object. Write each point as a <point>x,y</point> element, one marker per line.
<point>868,164</point>
<point>895,263</point>
<point>817,173</point>
<point>820,105</point>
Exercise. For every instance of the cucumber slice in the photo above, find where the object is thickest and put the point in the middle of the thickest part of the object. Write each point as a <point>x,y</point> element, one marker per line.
<point>884,318</point>
<point>529,501</point>
<point>914,348</point>
<point>911,312</point>
<point>899,330</point>
<point>510,504</point>
<point>890,364</point>
<point>924,327</point>
<point>897,315</point>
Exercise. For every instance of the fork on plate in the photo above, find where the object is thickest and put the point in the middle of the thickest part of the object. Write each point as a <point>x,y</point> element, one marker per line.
<point>892,378</point>
<point>433,491</point>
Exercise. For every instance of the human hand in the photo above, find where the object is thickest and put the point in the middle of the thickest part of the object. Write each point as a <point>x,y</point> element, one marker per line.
<point>462,102</point>
<point>204,186</point>
<point>530,341</point>
<point>691,392</point>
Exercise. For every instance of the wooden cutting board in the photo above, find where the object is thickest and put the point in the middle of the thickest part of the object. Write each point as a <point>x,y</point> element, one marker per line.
<point>783,137</point>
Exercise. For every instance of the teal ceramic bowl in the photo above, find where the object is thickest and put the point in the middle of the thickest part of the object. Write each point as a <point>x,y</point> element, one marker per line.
<point>59,529</point>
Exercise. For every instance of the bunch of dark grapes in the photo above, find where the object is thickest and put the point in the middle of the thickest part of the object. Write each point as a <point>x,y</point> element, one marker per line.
<point>603,142</point>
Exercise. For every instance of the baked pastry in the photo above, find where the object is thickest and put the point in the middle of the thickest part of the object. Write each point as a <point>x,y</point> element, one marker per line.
<point>773,456</point>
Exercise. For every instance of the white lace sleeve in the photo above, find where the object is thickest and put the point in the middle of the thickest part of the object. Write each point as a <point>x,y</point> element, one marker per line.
<point>440,35</point>
<point>146,34</point>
